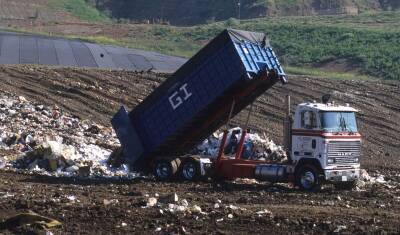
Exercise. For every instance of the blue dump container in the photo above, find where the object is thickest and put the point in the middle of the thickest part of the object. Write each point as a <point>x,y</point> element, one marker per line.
<point>196,100</point>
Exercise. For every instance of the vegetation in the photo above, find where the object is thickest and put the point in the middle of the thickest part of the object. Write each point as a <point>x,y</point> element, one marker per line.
<point>368,44</point>
<point>80,9</point>
<point>326,74</point>
<point>207,11</point>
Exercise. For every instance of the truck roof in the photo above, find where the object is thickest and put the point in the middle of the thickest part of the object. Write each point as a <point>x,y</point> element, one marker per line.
<point>328,107</point>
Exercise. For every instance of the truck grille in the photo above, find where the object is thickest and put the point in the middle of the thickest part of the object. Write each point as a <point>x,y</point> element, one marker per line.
<point>344,152</point>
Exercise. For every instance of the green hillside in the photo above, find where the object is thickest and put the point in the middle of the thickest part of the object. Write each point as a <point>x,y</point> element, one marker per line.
<point>367,44</point>
<point>80,9</point>
<point>192,12</point>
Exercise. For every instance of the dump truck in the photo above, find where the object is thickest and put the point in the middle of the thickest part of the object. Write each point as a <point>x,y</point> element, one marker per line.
<point>222,79</point>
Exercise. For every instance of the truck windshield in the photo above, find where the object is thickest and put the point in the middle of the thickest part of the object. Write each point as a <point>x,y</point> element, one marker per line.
<point>339,121</point>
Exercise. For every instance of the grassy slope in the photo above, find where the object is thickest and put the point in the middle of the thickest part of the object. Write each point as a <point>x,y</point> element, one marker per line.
<point>80,9</point>
<point>368,43</point>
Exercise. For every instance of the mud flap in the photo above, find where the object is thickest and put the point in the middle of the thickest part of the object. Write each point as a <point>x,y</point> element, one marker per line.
<point>128,137</point>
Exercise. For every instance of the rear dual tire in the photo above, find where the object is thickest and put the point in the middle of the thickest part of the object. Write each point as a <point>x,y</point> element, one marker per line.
<point>167,169</point>
<point>190,170</point>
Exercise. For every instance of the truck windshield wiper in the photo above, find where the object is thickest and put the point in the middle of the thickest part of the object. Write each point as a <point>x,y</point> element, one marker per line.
<point>342,123</point>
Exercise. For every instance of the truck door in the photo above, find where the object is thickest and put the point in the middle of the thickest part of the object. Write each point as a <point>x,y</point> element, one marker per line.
<point>305,141</point>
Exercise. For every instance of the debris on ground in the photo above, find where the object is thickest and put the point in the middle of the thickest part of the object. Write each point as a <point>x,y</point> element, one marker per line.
<point>107,202</point>
<point>255,147</point>
<point>245,181</point>
<point>196,209</point>
<point>264,212</point>
<point>30,218</point>
<point>46,140</point>
<point>340,228</point>
<point>376,178</point>
<point>151,201</point>
<point>171,198</point>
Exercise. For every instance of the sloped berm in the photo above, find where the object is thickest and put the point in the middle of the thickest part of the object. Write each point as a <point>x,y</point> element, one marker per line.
<point>18,48</point>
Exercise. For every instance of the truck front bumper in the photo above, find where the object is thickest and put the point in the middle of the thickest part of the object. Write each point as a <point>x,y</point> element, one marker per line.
<point>342,175</point>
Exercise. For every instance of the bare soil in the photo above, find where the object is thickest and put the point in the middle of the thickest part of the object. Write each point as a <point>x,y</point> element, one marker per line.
<point>375,210</point>
<point>97,94</point>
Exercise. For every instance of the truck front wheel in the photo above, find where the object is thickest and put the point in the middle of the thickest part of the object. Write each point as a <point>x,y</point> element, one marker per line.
<point>308,178</point>
<point>165,169</point>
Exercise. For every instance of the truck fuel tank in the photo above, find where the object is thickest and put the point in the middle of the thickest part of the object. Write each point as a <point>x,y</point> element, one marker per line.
<point>271,172</point>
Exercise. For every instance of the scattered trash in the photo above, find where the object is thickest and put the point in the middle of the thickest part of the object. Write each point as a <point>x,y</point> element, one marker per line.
<point>230,216</point>
<point>232,207</point>
<point>171,198</point>
<point>6,195</point>
<point>176,208</point>
<point>72,198</point>
<point>30,218</point>
<point>245,181</point>
<point>379,179</point>
<point>110,202</point>
<point>46,140</point>
<point>151,201</point>
<point>71,169</point>
<point>185,203</point>
<point>340,228</point>
<point>264,212</point>
<point>255,147</point>
<point>196,209</point>
<point>364,176</point>
<point>366,179</point>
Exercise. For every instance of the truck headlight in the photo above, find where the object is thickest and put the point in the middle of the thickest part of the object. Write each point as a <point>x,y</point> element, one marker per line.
<point>356,159</point>
<point>331,160</point>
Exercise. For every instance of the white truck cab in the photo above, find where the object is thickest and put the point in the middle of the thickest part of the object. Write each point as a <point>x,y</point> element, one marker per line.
<point>325,138</point>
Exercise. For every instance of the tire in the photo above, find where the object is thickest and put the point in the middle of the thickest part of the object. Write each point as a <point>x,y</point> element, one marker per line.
<point>165,169</point>
<point>348,186</point>
<point>308,178</point>
<point>190,170</point>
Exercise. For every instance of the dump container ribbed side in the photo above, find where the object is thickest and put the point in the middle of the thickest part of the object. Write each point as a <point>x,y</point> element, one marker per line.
<point>195,101</point>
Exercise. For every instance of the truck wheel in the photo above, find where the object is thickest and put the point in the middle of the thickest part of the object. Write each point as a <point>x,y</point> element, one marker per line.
<point>190,170</point>
<point>345,185</point>
<point>165,169</point>
<point>308,178</point>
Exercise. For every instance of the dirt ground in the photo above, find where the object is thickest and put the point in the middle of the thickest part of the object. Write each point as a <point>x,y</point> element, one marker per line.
<point>97,94</point>
<point>375,210</point>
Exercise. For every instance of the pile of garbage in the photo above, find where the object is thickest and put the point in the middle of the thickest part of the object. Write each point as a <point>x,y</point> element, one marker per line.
<point>255,147</point>
<point>47,140</point>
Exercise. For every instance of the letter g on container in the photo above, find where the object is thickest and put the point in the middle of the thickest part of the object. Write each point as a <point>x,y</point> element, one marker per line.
<point>178,97</point>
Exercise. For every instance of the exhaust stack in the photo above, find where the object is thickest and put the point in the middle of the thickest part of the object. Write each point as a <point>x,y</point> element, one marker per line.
<point>287,129</point>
